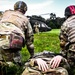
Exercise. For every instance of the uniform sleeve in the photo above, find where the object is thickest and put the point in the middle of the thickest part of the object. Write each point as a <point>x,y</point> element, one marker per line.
<point>32,62</point>
<point>63,32</point>
<point>64,28</point>
<point>63,39</point>
<point>29,39</point>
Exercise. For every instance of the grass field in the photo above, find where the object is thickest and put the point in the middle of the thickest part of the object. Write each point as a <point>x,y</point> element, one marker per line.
<point>44,41</point>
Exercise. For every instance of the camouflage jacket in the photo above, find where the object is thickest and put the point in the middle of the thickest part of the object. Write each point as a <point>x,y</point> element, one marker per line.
<point>67,38</point>
<point>20,21</point>
<point>20,25</point>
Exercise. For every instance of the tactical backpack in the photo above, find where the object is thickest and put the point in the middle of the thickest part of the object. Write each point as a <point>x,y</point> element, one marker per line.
<point>11,41</point>
<point>12,38</point>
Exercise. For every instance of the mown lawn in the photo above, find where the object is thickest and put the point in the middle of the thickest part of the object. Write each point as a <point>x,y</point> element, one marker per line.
<point>44,41</point>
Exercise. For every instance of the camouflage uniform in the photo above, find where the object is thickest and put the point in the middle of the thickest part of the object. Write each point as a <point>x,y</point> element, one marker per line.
<point>14,23</point>
<point>67,40</point>
<point>36,28</point>
<point>31,68</point>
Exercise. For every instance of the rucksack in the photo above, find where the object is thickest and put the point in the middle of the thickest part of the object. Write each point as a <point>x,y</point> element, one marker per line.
<point>11,41</point>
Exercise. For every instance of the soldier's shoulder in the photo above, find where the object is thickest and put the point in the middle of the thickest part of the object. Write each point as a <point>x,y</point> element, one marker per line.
<point>64,24</point>
<point>26,18</point>
<point>8,10</point>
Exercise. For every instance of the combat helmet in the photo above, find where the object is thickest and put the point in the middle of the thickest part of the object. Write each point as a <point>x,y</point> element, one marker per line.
<point>69,11</point>
<point>20,5</point>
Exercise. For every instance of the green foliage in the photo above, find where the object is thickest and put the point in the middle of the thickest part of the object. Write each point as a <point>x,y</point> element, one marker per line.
<point>55,23</point>
<point>25,54</point>
<point>52,24</point>
<point>44,41</point>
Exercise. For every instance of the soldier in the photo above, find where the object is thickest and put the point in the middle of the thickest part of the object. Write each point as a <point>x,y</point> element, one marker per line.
<point>1,13</point>
<point>36,27</point>
<point>68,33</point>
<point>15,32</point>
<point>40,65</point>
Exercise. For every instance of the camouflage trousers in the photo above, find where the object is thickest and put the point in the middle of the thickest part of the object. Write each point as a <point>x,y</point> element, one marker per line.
<point>56,71</point>
<point>71,61</point>
<point>9,68</point>
<point>33,69</point>
<point>10,63</point>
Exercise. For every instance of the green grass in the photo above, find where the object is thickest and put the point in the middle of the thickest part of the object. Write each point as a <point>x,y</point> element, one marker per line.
<point>44,41</point>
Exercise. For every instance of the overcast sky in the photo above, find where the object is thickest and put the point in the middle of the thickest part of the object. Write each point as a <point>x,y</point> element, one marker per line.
<point>37,7</point>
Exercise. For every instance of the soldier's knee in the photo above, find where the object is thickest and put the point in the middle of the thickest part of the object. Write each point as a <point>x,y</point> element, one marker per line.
<point>62,71</point>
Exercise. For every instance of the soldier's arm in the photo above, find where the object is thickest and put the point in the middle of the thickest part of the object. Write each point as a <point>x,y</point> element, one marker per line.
<point>63,39</point>
<point>63,36</point>
<point>29,39</point>
<point>42,65</point>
